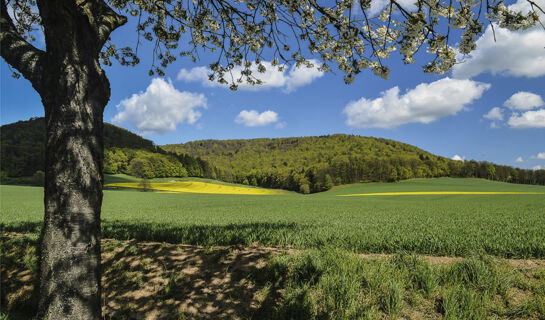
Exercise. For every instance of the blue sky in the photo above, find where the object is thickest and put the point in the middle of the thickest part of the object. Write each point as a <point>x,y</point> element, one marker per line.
<point>491,107</point>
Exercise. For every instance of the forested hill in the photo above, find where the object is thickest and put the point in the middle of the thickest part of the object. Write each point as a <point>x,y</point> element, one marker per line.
<point>23,153</point>
<point>313,164</point>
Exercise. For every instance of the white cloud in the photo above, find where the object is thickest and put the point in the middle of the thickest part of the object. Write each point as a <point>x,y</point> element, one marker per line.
<point>160,108</point>
<point>519,159</point>
<point>252,118</point>
<point>538,167</point>
<point>289,80</point>
<point>514,53</point>
<point>541,155</point>
<point>523,100</point>
<point>528,119</point>
<point>494,114</point>
<point>424,104</point>
<point>378,5</point>
<point>280,125</point>
<point>458,158</point>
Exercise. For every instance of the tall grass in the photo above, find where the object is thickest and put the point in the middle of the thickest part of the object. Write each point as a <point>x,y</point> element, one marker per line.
<point>335,284</point>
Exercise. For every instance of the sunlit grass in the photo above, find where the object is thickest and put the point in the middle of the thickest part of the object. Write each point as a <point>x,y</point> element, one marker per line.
<point>508,225</point>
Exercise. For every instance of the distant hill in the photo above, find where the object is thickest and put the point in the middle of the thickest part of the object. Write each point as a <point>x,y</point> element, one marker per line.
<point>302,164</point>
<point>313,164</point>
<point>23,146</point>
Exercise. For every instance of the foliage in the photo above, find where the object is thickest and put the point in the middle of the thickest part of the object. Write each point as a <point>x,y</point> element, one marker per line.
<point>341,33</point>
<point>453,225</point>
<point>23,153</point>
<point>314,164</point>
<point>306,165</point>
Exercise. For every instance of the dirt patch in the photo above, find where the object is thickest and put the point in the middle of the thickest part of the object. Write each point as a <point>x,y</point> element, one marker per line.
<point>515,263</point>
<point>160,280</point>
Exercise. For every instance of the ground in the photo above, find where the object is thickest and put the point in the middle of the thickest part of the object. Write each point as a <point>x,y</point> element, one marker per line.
<point>293,256</point>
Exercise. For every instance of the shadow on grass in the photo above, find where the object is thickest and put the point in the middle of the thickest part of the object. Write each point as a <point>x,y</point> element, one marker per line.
<point>156,281</point>
<point>205,235</point>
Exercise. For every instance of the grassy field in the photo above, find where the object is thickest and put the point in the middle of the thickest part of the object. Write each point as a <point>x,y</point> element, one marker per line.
<point>502,225</point>
<point>175,266</point>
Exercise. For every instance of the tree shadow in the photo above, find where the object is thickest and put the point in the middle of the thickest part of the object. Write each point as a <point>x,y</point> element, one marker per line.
<point>210,276</point>
<point>164,281</point>
<point>230,234</point>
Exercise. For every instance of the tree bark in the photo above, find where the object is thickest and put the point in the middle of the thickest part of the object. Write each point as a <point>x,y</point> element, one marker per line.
<point>74,91</point>
<point>70,272</point>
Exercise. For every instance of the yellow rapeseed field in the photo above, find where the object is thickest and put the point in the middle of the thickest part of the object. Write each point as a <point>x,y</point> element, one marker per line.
<point>433,193</point>
<point>197,187</point>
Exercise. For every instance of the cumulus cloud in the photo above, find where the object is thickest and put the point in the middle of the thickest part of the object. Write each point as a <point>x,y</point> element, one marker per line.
<point>289,79</point>
<point>494,114</point>
<point>527,120</point>
<point>160,108</point>
<point>519,159</point>
<point>513,53</point>
<point>523,100</point>
<point>424,104</point>
<point>541,155</point>
<point>538,167</point>
<point>252,118</point>
<point>458,158</point>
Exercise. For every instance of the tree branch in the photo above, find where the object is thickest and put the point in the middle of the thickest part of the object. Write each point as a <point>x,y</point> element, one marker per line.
<point>17,52</point>
<point>108,20</point>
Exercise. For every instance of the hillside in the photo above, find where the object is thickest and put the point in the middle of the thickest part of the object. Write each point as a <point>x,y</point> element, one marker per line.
<point>313,164</point>
<point>302,164</point>
<point>23,145</point>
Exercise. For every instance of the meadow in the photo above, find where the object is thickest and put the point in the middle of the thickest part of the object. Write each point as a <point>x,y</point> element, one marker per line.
<point>501,225</point>
<point>253,253</point>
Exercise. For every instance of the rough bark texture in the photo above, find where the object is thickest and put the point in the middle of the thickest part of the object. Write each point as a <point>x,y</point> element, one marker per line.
<point>74,91</point>
<point>74,98</point>
<point>70,249</point>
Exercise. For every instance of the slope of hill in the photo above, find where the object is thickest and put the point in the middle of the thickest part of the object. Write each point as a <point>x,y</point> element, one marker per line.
<point>313,164</point>
<point>23,145</point>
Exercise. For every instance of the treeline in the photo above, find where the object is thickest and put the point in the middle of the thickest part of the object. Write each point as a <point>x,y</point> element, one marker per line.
<point>146,164</point>
<point>371,169</point>
<point>23,153</point>
<point>303,164</point>
<point>314,164</point>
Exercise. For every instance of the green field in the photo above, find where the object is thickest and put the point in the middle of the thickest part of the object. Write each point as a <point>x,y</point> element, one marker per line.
<point>511,226</point>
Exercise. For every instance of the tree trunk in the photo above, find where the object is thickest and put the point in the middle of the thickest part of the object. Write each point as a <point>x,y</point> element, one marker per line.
<point>74,92</point>
<point>74,100</point>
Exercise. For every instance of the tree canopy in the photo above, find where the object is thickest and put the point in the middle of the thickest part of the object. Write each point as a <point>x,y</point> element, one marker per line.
<point>322,34</point>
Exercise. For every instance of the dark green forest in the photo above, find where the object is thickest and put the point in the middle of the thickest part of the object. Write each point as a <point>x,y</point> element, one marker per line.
<point>314,164</point>
<point>23,153</point>
<point>304,164</point>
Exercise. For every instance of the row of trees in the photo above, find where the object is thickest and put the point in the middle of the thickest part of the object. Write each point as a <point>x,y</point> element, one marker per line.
<point>362,169</point>
<point>146,164</point>
<point>314,164</point>
<point>142,163</point>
